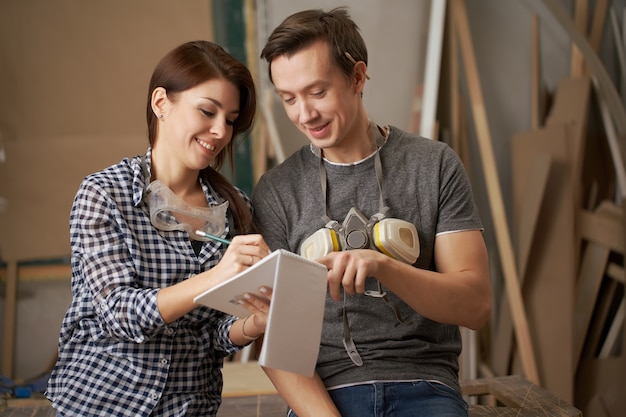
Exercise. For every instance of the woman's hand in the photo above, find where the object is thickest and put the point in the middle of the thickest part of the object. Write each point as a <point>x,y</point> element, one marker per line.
<point>251,327</point>
<point>243,252</point>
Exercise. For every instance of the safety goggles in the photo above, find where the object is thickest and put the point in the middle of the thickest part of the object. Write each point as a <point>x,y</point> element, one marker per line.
<point>170,212</point>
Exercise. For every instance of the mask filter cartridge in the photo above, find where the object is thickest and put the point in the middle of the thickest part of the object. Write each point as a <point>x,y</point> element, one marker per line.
<point>398,239</point>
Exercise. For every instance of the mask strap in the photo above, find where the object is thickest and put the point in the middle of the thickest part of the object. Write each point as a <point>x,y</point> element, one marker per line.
<point>323,181</point>
<point>378,167</point>
<point>348,343</point>
<point>383,294</point>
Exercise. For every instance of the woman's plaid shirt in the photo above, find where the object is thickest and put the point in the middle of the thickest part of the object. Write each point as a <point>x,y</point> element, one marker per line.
<point>116,354</point>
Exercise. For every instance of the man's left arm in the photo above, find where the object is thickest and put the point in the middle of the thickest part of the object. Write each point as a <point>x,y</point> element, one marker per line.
<point>459,292</point>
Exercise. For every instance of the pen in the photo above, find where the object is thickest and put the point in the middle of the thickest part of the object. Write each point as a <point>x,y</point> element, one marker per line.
<point>212,237</point>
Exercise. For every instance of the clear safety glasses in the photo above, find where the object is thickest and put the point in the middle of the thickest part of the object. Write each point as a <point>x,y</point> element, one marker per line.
<point>170,212</point>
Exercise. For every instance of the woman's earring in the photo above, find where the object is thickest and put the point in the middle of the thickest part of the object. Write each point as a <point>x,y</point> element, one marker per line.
<point>160,116</point>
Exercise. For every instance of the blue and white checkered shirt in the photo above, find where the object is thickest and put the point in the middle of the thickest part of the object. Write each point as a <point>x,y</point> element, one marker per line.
<point>117,357</point>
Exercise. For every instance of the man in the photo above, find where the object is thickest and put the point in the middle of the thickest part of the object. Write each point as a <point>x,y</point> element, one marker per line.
<point>393,219</point>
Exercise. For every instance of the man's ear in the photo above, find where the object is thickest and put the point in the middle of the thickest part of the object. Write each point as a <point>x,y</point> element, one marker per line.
<point>159,101</point>
<point>360,75</point>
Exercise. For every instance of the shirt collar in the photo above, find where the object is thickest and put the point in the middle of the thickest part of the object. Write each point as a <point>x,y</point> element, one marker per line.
<point>376,133</point>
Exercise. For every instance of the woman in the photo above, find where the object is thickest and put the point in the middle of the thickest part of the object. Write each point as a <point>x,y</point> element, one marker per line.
<point>132,341</point>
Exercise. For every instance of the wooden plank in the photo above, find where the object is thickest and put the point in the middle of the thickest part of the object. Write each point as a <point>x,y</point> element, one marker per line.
<point>610,346</point>
<point>601,315</point>
<point>528,214</point>
<point>601,229</point>
<point>604,380</point>
<point>253,406</point>
<point>615,272</point>
<point>516,393</point>
<point>40,272</point>
<point>597,25</point>
<point>580,19</point>
<point>10,301</point>
<point>551,273</point>
<point>495,194</point>
<point>536,112</point>
<point>245,379</point>
<point>587,289</point>
<point>619,47</point>
<point>615,143</point>
<point>563,137</point>
<point>571,108</point>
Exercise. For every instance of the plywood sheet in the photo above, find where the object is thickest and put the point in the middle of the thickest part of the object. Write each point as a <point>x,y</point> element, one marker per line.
<point>550,273</point>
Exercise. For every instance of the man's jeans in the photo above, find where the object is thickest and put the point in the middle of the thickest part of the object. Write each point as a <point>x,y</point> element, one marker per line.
<point>398,399</point>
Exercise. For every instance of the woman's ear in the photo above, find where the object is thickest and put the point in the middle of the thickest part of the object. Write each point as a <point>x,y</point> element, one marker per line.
<point>159,101</point>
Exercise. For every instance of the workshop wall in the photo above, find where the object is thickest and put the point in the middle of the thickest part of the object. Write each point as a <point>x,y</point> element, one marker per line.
<point>73,80</point>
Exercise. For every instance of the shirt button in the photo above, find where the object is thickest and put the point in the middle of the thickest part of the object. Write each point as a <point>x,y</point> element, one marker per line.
<point>169,331</point>
<point>154,395</point>
<point>164,361</point>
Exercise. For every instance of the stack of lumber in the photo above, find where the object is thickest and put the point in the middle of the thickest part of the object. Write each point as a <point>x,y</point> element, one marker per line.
<point>560,318</point>
<point>569,236</point>
<point>568,194</point>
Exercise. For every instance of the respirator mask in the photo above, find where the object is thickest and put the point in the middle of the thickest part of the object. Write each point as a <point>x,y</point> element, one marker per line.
<point>393,237</point>
<point>170,212</point>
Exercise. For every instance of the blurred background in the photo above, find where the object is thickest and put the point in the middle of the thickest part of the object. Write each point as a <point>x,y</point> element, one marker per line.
<point>498,80</point>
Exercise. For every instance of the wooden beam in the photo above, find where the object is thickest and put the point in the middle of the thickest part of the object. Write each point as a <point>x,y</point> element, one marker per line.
<point>590,277</point>
<point>535,188</point>
<point>40,272</point>
<point>616,272</point>
<point>597,25</point>
<point>536,113</point>
<point>612,338</point>
<point>10,302</point>
<point>551,270</point>
<point>495,194</point>
<point>580,19</point>
<point>621,52</point>
<point>520,397</point>
<point>601,315</point>
<point>616,143</point>
<point>602,229</point>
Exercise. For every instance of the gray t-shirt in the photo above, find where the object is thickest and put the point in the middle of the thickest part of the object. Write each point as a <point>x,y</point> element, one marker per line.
<point>423,181</point>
